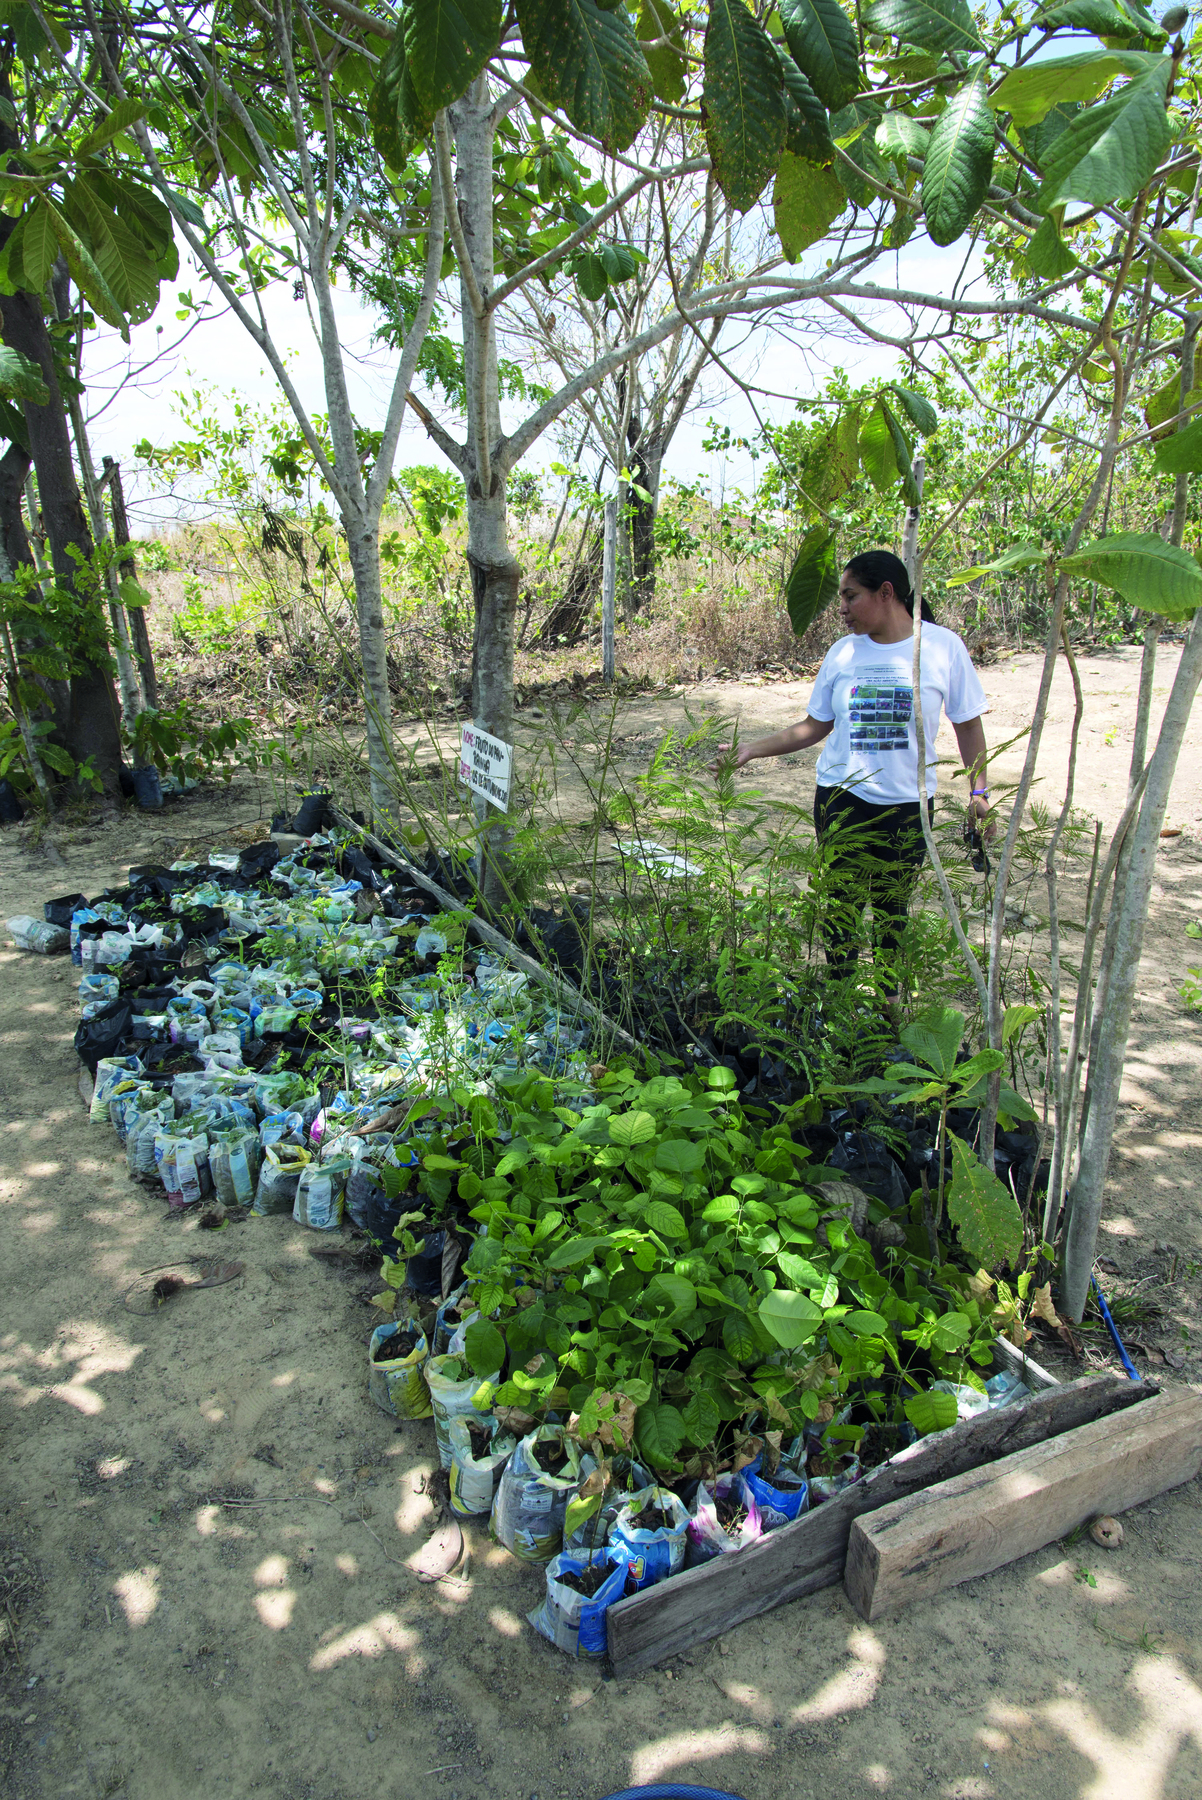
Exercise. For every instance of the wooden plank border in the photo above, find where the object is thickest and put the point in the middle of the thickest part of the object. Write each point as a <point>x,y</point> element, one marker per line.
<point>810,1554</point>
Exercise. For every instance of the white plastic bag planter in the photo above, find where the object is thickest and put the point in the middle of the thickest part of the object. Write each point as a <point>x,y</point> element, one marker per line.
<point>479,1453</point>
<point>531,1503</point>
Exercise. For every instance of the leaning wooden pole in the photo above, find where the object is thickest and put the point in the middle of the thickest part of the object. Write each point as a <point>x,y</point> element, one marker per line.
<point>127,567</point>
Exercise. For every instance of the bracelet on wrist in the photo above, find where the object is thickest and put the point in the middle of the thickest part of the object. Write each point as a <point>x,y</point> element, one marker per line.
<point>980,793</point>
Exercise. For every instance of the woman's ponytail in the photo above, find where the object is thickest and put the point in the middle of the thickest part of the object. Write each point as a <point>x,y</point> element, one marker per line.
<point>875,567</point>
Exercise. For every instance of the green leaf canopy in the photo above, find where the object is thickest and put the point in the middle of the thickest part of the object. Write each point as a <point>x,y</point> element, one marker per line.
<point>656,19</point>
<point>21,379</point>
<point>1030,93</point>
<point>959,162</point>
<point>743,99</point>
<point>587,61</point>
<point>1147,572</point>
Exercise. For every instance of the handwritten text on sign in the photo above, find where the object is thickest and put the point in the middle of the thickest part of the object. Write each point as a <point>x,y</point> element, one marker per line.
<point>486,765</point>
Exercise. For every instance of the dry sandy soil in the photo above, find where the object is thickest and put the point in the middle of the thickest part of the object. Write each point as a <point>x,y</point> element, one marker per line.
<point>205,1522</point>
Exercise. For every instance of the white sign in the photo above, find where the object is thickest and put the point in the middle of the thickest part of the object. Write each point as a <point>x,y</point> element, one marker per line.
<point>486,765</point>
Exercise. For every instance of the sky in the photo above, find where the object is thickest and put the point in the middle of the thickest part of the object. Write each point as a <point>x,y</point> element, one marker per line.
<point>130,394</point>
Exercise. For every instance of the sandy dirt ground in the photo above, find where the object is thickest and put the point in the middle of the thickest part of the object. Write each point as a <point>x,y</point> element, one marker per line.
<point>205,1524</point>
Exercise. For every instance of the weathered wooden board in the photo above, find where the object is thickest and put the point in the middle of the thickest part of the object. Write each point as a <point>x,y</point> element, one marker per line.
<point>1033,1375</point>
<point>990,1516</point>
<point>810,1554</point>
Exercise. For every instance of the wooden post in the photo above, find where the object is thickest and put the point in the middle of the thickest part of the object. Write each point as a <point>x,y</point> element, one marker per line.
<point>609,578</point>
<point>126,565</point>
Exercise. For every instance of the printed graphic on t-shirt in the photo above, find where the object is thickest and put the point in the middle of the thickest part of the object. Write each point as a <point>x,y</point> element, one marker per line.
<point>879,711</point>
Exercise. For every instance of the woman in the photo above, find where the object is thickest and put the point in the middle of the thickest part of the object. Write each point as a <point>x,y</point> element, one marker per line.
<point>862,710</point>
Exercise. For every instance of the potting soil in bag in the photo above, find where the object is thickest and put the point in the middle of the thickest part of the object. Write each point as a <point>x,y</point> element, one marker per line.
<point>234,1164</point>
<point>123,1103</point>
<point>281,1128</point>
<point>448,1319</point>
<point>109,1071</point>
<point>650,1531</point>
<point>479,1453</point>
<point>279,1178</point>
<point>781,1497</point>
<point>627,1478</point>
<point>319,1194</point>
<point>395,1356</point>
<point>528,1512</point>
<point>457,1393</point>
<point>725,1518</point>
<point>572,1620</point>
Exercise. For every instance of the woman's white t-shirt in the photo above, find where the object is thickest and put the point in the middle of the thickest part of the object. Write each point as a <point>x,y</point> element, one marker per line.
<point>867,689</point>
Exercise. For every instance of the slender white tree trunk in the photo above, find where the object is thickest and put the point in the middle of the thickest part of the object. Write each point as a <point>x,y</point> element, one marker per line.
<point>1106,1074</point>
<point>495,572</point>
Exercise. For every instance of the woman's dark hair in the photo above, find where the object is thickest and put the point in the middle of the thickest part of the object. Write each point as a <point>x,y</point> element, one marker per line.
<point>873,568</point>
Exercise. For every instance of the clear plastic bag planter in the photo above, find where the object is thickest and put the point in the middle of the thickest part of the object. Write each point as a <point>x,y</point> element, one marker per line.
<point>234,1164</point>
<point>653,1550</point>
<point>109,1071</point>
<point>572,1621</point>
<point>628,1478</point>
<point>123,1104</point>
<point>457,1393</point>
<point>181,1154</point>
<point>725,1518</point>
<point>279,1177</point>
<point>144,1120</point>
<point>396,1355</point>
<point>320,1193</point>
<point>37,935</point>
<point>479,1453</point>
<point>531,1503</point>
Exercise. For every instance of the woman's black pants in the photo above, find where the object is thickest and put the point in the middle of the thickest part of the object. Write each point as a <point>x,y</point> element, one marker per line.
<point>872,853</point>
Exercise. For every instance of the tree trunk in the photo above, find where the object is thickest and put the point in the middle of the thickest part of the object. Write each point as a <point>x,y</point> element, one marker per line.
<point>364,547</point>
<point>138,629</point>
<point>93,731</point>
<point>646,461</point>
<point>496,573</point>
<point>1086,1194</point>
<point>17,553</point>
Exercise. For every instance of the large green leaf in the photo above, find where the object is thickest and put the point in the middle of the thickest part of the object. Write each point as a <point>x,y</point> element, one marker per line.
<point>807,128</point>
<point>1031,92</point>
<point>701,1418</point>
<point>932,24</point>
<point>959,162</point>
<point>898,135</point>
<point>1147,572</point>
<point>396,113</point>
<point>1180,454</point>
<point>934,1038</point>
<point>791,1318</point>
<point>877,453</point>
<point>931,1412</point>
<point>739,1338</point>
<point>124,114</point>
<point>679,1156</point>
<point>813,580</point>
<point>588,62</point>
<point>485,1347</point>
<point>823,41</point>
<point>1109,151</point>
<point>983,1210</point>
<point>39,246</point>
<point>901,452</point>
<point>632,1128</point>
<point>667,1220</point>
<point>84,271</point>
<point>120,256</point>
<point>799,1270</point>
<point>674,1291</point>
<point>669,70</point>
<point>659,1432</point>
<point>21,379</point>
<point>917,409</point>
<point>1047,255</point>
<point>743,99</point>
<point>447,43</point>
<point>1018,556</point>
<point>1098,16</point>
<point>806,201</point>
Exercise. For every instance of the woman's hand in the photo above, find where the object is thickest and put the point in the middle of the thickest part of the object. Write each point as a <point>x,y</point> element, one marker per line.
<point>730,757</point>
<point>983,811</point>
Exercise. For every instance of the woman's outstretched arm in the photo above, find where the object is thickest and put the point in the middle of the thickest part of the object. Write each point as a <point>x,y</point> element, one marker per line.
<point>802,736</point>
